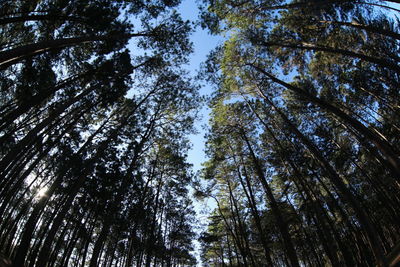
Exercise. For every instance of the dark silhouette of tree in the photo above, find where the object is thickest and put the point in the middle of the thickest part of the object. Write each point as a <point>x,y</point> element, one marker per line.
<point>93,134</point>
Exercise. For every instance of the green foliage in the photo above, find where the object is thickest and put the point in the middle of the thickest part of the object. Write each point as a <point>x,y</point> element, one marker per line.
<point>299,131</point>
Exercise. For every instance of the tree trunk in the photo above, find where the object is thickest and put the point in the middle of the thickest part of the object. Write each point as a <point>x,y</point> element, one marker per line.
<point>25,18</point>
<point>99,244</point>
<point>344,191</point>
<point>282,225</point>
<point>253,207</point>
<point>15,55</point>
<point>311,47</point>
<point>367,28</point>
<point>384,146</point>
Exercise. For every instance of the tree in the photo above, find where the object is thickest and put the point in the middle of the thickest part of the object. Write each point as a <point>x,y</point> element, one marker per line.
<point>306,98</point>
<point>81,117</point>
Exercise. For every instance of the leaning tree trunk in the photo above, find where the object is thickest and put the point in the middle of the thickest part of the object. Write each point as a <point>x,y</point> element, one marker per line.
<point>15,55</point>
<point>340,185</point>
<point>281,223</point>
<point>384,146</point>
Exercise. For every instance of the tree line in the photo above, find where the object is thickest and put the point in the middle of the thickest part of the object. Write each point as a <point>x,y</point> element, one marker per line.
<point>303,147</point>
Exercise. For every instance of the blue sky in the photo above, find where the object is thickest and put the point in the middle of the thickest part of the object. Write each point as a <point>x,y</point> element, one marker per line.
<point>203,43</point>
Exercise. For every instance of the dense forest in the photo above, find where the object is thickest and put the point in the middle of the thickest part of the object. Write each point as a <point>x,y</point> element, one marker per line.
<point>303,141</point>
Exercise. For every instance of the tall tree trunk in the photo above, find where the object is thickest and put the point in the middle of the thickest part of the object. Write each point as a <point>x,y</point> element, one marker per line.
<point>33,17</point>
<point>31,136</point>
<point>304,186</point>
<point>254,210</point>
<point>280,221</point>
<point>242,230</point>
<point>384,146</point>
<point>338,51</point>
<point>15,55</point>
<point>367,28</point>
<point>340,185</point>
<point>99,244</point>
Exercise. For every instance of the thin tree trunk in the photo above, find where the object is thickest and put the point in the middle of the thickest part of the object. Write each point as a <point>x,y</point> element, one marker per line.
<point>344,191</point>
<point>282,225</point>
<point>253,207</point>
<point>367,28</point>
<point>311,47</point>
<point>15,55</point>
<point>384,146</point>
<point>99,244</point>
<point>25,18</point>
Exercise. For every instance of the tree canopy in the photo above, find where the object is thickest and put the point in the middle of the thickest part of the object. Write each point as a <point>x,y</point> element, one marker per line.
<point>303,141</point>
<point>94,120</point>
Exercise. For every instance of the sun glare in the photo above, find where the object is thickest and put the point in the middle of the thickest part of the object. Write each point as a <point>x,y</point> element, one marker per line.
<point>42,192</point>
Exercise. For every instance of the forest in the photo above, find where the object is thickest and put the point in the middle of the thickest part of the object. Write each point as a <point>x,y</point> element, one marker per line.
<point>97,107</point>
